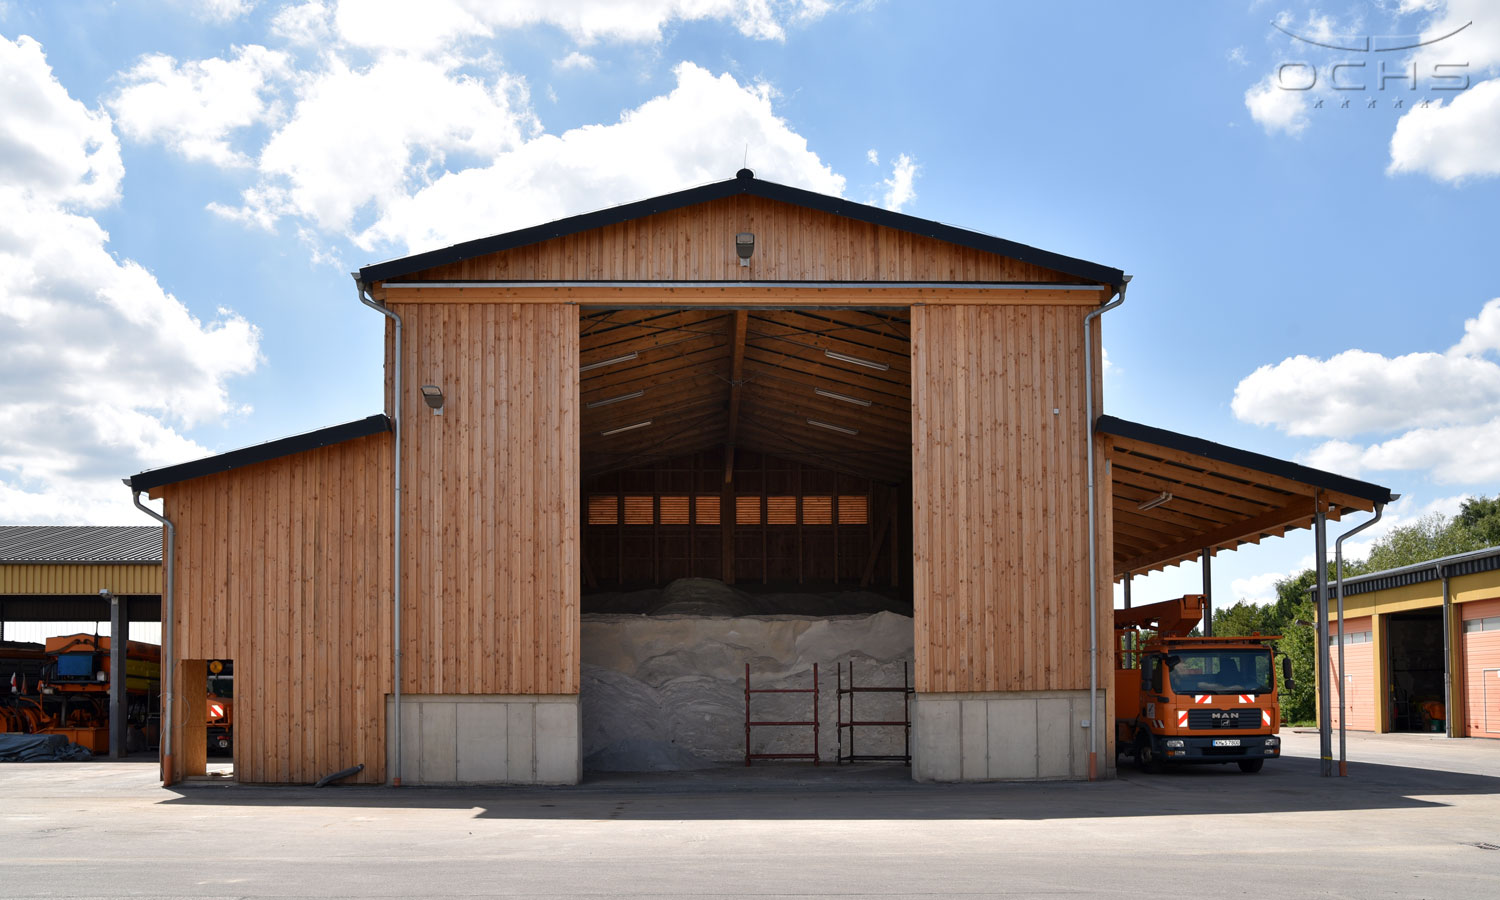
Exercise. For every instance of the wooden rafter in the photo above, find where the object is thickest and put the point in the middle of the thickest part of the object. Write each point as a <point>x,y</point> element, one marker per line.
<point>736,387</point>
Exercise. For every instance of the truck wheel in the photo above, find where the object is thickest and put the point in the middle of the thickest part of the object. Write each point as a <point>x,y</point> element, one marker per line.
<point>1251,765</point>
<point>1145,757</point>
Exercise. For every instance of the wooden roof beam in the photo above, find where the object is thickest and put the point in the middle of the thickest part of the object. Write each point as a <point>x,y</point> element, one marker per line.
<point>736,387</point>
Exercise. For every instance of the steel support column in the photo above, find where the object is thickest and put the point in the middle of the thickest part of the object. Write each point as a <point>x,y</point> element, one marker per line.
<point>1208,593</point>
<point>119,639</point>
<point>1325,712</point>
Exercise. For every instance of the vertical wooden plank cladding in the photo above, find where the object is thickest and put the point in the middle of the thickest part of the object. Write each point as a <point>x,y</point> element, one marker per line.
<point>793,243</point>
<point>491,524</point>
<point>999,499</point>
<point>283,567</point>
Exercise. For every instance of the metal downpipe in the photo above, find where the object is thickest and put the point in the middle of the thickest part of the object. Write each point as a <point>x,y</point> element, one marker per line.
<point>168,641</point>
<point>1448,698</point>
<point>364,297</point>
<point>1338,588</point>
<point>1088,414</point>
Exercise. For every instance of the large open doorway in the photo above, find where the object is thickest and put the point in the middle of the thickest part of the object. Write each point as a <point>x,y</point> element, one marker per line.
<point>746,488</point>
<point>1415,659</point>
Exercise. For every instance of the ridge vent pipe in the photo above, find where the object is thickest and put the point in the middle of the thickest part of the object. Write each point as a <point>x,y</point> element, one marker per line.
<point>1088,414</point>
<point>362,290</point>
<point>168,642</point>
<point>1338,587</point>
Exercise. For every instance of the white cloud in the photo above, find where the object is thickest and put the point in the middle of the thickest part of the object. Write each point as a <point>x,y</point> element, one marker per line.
<point>872,157</point>
<point>1276,108</point>
<point>101,366</point>
<point>51,144</point>
<point>576,60</point>
<point>899,188</point>
<point>306,24</point>
<point>1442,408</point>
<point>1236,55</point>
<point>325,164</point>
<point>222,10</point>
<point>694,134</point>
<point>1454,141</point>
<point>1357,391</point>
<point>193,107</point>
<point>437,24</point>
<point>1258,589</point>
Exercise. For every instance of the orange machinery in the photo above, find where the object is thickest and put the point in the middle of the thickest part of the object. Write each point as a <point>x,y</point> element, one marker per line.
<point>70,695</point>
<point>1182,699</point>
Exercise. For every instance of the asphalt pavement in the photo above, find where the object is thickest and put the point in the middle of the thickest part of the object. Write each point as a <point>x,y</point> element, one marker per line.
<point>1417,817</point>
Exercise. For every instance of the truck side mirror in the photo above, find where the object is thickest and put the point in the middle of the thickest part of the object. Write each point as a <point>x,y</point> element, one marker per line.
<point>1156,679</point>
<point>1286,673</point>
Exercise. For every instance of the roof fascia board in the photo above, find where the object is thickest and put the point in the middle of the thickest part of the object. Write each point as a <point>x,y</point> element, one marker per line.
<point>234,459</point>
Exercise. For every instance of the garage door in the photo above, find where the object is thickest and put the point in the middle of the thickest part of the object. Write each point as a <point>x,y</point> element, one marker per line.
<point>1358,683</point>
<point>1481,650</point>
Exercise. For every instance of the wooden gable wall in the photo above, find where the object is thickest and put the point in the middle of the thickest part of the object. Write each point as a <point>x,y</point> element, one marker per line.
<point>696,243</point>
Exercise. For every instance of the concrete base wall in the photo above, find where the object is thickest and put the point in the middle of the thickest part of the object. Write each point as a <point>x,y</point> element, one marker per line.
<point>487,739</point>
<point>1006,736</point>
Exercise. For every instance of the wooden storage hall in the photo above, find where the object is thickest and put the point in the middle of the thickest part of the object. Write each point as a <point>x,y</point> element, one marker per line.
<point>741,381</point>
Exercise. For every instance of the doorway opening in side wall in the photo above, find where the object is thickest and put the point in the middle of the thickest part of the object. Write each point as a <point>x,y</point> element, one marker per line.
<point>207,707</point>
<point>1415,642</point>
<point>746,501</point>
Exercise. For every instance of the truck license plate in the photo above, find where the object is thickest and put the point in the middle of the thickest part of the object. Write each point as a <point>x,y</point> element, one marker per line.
<point>1226,742</point>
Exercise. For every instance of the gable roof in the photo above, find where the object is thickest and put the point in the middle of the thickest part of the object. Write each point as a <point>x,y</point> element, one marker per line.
<point>80,543</point>
<point>744,182</point>
<point>234,459</point>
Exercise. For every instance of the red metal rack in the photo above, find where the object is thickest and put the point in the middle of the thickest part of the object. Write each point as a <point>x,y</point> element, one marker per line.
<point>852,723</point>
<point>752,724</point>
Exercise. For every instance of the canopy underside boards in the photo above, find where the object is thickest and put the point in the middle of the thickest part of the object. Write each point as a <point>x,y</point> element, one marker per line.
<point>1175,496</point>
<point>680,370</point>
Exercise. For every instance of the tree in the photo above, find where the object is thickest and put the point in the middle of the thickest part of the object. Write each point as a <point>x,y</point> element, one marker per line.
<point>1481,516</point>
<point>1431,537</point>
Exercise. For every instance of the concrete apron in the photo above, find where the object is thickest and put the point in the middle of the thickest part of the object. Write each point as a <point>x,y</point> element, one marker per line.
<point>487,739</point>
<point>1006,736</point>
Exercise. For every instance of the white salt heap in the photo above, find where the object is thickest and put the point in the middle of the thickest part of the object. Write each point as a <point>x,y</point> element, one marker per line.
<point>665,692</point>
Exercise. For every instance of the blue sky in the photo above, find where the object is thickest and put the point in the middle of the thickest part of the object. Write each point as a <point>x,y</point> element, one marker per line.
<point>189,183</point>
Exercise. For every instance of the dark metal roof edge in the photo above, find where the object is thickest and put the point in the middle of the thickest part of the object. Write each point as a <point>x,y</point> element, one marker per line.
<point>1471,563</point>
<point>1249,459</point>
<point>614,215</point>
<point>234,459</point>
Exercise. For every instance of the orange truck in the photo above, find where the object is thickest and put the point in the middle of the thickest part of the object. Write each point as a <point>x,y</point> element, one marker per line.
<point>1181,699</point>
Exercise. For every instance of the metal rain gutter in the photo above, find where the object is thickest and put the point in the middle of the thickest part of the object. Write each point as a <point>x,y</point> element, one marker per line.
<point>362,290</point>
<point>1088,414</point>
<point>168,642</point>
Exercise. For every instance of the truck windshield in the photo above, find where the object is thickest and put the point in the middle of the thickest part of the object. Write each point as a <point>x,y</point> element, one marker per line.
<point>1222,672</point>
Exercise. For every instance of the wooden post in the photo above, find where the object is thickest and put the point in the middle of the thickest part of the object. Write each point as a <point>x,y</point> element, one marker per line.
<point>727,515</point>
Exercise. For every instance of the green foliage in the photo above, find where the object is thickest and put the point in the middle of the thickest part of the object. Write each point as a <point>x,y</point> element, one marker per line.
<point>1481,517</point>
<point>1297,641</point>
<point>1430,537</point>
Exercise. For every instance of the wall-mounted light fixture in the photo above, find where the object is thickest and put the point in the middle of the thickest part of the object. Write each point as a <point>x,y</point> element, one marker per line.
<point>434,397</point>
<point>1154,502</point>
<point>595,404</point>
<point>844,357</point>
<point>839,428</point>
<point>624,428</point>
<point>844,397</point>
<point>744,245</point>
<point>608,362</point>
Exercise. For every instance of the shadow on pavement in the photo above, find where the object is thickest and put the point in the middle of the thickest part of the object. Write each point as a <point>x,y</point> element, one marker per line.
<point>887,793</point>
